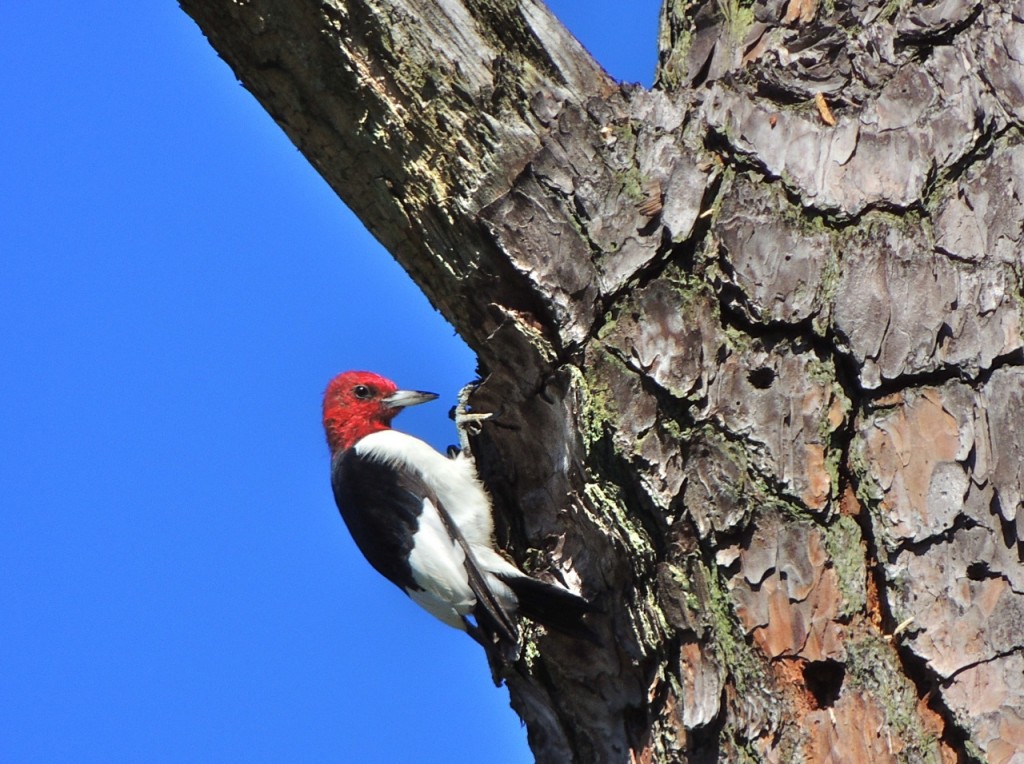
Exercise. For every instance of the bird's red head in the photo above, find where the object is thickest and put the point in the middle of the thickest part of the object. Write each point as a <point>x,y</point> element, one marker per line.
<point>357,403</point>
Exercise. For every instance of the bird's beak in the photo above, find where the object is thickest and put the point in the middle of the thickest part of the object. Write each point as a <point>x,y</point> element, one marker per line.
<point>402,398</point>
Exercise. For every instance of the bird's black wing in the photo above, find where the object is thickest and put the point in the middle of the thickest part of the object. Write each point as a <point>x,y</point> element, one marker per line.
<point>489,611</point>
<point>381,507</point>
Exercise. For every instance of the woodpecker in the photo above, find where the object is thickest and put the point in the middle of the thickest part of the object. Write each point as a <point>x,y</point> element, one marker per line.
<point>423,520</point>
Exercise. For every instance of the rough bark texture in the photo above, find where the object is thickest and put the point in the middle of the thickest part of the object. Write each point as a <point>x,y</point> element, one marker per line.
<point>753,338</point>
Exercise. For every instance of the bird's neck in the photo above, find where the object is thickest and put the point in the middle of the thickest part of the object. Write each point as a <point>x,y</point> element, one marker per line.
<point>343,433</point>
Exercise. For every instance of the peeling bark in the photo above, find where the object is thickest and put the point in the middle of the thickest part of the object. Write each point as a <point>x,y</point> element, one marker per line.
<point>753,339</point>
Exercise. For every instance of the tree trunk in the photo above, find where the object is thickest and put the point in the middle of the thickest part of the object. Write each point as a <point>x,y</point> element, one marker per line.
<point>753,339</point>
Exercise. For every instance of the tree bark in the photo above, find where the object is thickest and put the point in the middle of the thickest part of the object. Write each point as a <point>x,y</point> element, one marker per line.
<point>753,339</point>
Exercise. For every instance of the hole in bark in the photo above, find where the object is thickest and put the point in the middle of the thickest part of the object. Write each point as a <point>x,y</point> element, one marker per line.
<point>977,571</point>
<point>824,680</point>
<point>762,378</point>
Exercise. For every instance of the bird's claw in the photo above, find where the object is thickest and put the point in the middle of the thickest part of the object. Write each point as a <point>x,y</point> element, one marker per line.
<point>467,418</point>
<point>467,422</point>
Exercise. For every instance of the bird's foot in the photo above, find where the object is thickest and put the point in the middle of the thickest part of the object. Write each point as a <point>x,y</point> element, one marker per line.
<point>467,422</point>
<point>500,654</point>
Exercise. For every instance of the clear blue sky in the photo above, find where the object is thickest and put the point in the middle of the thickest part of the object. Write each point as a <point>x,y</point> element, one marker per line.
<point>176,288</point>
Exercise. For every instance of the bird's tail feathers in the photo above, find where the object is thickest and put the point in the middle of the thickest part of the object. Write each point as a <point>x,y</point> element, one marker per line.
<point>552,606</point>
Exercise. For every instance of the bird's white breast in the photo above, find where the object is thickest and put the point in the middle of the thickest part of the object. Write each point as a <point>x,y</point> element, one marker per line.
<point>454,481</point>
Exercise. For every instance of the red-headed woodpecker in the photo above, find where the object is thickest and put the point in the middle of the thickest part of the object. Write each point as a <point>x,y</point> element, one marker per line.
<point>423,520</point>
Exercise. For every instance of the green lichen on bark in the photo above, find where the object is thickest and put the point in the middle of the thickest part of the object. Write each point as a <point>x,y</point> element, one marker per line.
<point>873,666</point>
<point>738,657</point>
<point>845,547</point>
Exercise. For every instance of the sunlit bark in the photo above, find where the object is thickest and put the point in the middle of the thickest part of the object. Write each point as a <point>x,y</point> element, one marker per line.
<point>753,339</point>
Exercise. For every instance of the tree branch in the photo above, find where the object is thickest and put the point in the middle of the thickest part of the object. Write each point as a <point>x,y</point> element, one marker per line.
<point>419,114</point>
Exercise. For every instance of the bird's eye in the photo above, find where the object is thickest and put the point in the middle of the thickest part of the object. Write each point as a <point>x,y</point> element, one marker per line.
<point>361,391</point>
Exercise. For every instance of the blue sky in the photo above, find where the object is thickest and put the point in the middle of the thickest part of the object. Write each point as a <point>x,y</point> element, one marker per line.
<point>176,289</point>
